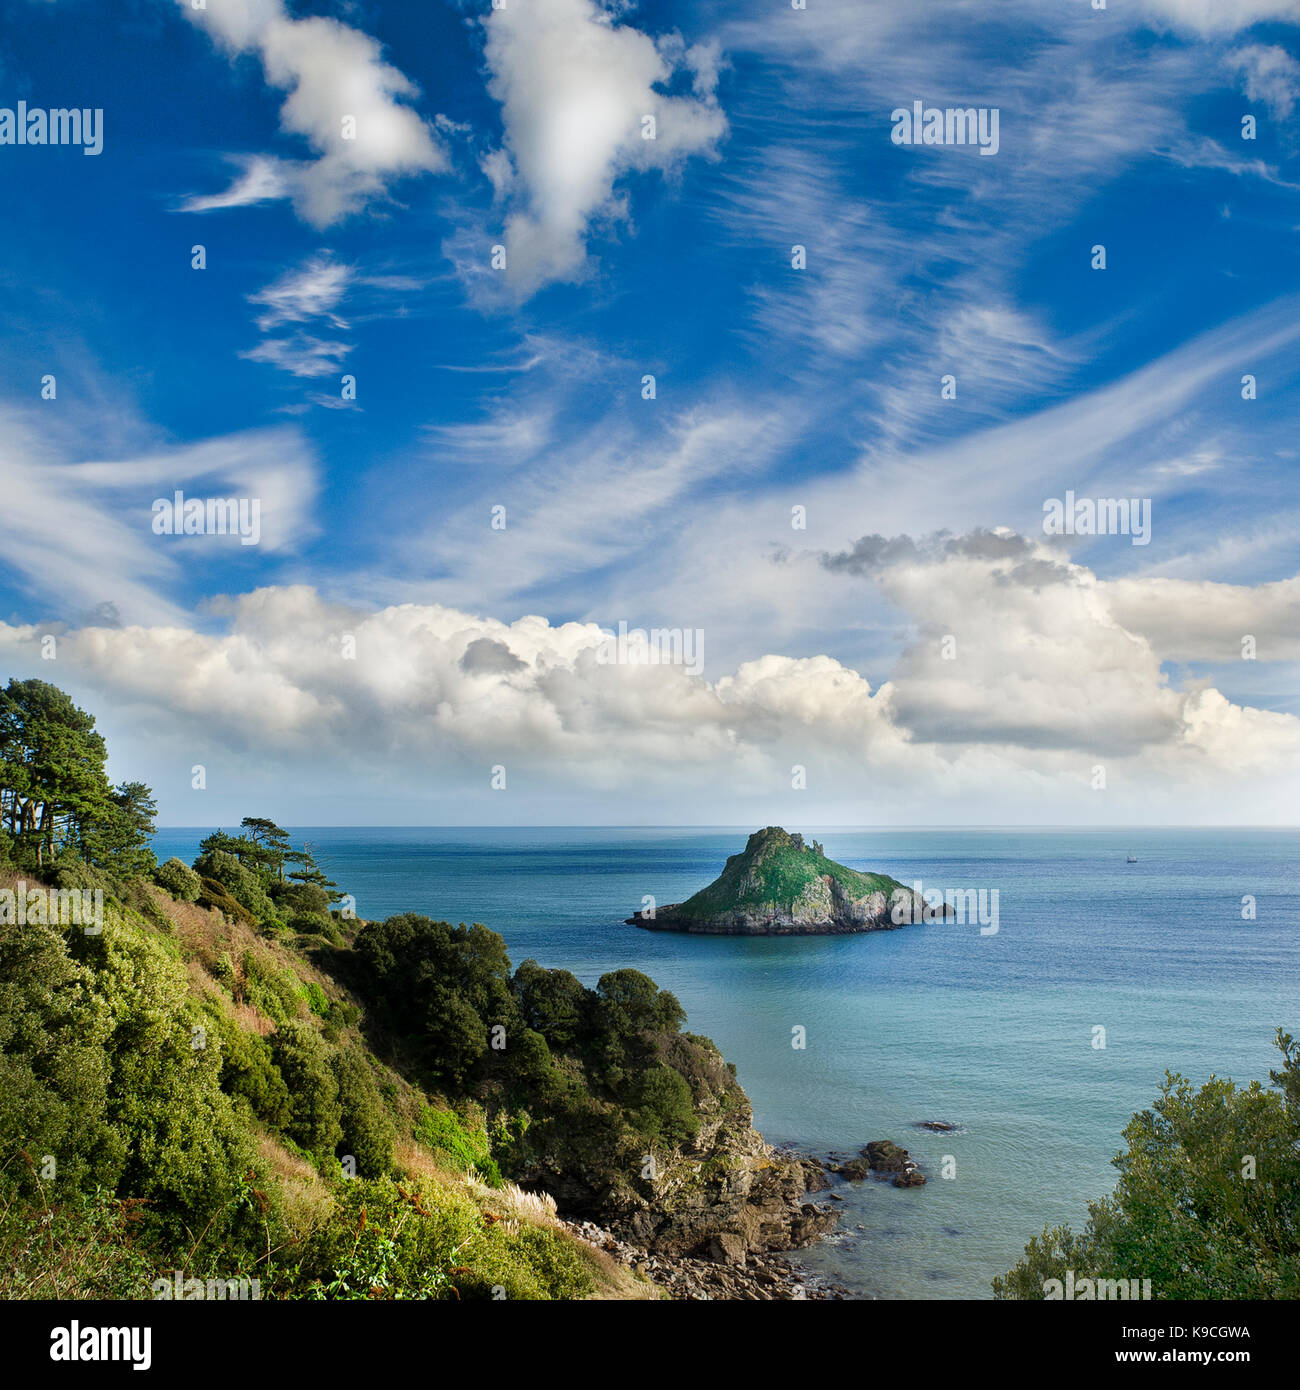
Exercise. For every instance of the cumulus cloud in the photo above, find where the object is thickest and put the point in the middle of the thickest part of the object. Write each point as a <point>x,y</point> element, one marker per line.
<point>1271,76</point>
<point>1200,620</point>
<point>1017,679</point>
<point>1014,645</point>
<point>431,685</point>
<point>341,97</point>
<point>575,90</point>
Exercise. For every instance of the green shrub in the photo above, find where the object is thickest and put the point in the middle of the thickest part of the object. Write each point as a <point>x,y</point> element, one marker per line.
<point>316,998</point>
<point>422,1241</point>
<point>212,894</point>
<point>83,1247</point>
<point>303,1061</point>
<point>368,1132</point>
<point>444,1132</point>
<point>248,1070</point>
<point>242,883</point>
<point>186,1151</point>
<point>663,1108</point>
<point>55,1029</point>
<point>1189,1213</point>
<point>270,990</point>
<point>177,878</point>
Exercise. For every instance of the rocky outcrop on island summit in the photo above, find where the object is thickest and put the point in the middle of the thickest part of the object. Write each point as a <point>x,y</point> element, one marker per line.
<point>780,886</point>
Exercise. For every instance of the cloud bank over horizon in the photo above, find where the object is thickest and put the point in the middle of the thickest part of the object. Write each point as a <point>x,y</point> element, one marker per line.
<point>1020,680</point>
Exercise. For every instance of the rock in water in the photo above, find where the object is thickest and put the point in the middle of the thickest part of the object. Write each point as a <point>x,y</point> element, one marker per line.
<point>780,886</point>
<point>885,1156</point>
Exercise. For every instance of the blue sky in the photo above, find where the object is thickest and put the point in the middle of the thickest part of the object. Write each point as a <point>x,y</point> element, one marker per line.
<point>775,388</point>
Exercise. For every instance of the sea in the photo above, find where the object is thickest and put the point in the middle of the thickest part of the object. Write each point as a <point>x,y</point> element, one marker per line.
<point>1118,955</point>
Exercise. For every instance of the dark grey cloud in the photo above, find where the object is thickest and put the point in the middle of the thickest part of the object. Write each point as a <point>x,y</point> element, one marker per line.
<point>486,657</point>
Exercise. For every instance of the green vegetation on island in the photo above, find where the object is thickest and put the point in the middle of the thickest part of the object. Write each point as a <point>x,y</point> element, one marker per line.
<point>778,885</point>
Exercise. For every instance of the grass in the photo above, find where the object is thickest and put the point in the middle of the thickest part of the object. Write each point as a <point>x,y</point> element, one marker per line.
<point>775,874</point>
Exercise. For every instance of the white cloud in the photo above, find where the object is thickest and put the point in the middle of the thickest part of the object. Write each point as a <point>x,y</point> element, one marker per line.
<point>332,75</point>
<point>313,290</point>
<point>1218,17</point>
<point>83,528</point>
<point>302,354</point>
<point>261,180</point>
<point>574,88</point>
<point>1199,620</point>
<point>1012,646</point>
<point>1045,682</point>
<point>1272,76</point>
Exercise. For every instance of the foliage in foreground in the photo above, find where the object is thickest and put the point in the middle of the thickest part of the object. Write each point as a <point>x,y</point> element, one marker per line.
<point>1208,1200</point>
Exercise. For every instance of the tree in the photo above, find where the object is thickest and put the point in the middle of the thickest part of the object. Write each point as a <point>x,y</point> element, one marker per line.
<point>631,1005</point>
<point>116,836</point>
<point>272,844</point>
<point>1208,1200</point>
<point>52,782</point>
<point>309,873</point>
<point>555,1003</point>
<point>242,883</point>
<point>443,987</point>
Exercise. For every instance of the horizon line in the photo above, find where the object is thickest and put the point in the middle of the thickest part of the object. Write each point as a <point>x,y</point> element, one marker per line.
<point>1007,825</point>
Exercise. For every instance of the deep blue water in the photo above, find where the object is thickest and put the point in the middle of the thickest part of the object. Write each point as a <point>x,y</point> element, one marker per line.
<point>933,1021</point>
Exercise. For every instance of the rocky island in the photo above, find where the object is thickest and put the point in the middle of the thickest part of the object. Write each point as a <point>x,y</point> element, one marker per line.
<point>780,886</point>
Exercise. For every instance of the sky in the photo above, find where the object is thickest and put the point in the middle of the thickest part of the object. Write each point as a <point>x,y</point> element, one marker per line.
<point>509,325</point>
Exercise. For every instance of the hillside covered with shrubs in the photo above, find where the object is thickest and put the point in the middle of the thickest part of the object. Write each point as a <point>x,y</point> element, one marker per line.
<point>230,1075</point>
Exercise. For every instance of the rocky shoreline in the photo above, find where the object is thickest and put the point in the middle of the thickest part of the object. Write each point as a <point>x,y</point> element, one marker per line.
<point>756,1266</point>
<point>728,1272</point>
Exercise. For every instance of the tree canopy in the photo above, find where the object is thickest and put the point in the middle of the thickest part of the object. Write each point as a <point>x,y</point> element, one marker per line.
<point>1208,1200</point>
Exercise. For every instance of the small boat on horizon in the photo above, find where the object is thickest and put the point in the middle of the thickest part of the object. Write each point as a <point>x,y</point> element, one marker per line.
<point>1132,859</point>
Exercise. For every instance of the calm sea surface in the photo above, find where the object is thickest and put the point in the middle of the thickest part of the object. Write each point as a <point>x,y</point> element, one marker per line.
<point>992,1032</point>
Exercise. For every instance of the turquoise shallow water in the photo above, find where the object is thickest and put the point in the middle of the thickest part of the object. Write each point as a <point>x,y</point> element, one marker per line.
<point>933,1021</point>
